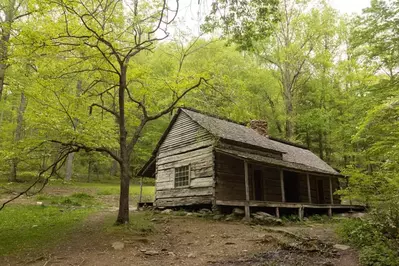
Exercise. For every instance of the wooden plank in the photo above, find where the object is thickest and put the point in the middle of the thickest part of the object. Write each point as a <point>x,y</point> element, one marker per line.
<point>185,148</point>
<point>331,192</point>
<point>308,184</point>
<point>199,167</point>
<point>173,202</point>
<point>272,154</point>
<point>183,192</point>
<point>286,205</point>
<point>194,183</point>
<point>239,203</point>
<point>214,207</point>
<point>183,134</point>
<point>247,211</point>
<point>184,140</point>
<point>206,151</point>
<point>282,185</point>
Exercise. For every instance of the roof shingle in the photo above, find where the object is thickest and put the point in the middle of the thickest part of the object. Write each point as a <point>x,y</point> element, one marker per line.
<point>292,154</point>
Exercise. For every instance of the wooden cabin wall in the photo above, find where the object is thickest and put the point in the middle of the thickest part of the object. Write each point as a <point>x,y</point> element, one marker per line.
<point>200,190</point>
<point>313,188</point>
<point>326,189</point>
<point>230,178</point>
<point>303,188</point>
<point>271,183</point>
<point>186,144</point>
<point>185,135</point>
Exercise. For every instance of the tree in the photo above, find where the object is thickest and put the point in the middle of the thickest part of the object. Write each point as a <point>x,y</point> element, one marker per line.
<point>243,22</point>
<point>104,37</point>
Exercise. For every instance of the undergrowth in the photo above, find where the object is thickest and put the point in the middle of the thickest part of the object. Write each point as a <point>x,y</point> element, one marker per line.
<point>376,237</point>
<point>76,199</point>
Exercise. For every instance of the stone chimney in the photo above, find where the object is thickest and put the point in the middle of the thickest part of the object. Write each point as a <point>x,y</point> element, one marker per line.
<point>260,126</point>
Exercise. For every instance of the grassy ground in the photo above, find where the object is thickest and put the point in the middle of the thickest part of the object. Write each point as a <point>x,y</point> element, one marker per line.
<point>25,225</point>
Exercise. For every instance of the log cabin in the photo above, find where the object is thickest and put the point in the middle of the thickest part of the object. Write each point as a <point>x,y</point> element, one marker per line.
<point>202,159</point>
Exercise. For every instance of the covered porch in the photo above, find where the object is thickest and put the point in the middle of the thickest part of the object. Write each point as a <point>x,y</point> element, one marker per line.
<point>245,180</point>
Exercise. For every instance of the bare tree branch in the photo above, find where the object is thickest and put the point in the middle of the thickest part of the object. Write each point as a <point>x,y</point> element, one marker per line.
<point>54,167</point>
<point>88,149</point>
<point>105,109</point>
<point>173,104</point>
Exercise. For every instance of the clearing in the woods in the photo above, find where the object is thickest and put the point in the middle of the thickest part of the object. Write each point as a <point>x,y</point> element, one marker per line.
<point>71,229</point>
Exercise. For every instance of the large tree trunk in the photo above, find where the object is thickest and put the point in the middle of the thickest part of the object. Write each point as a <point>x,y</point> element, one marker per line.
<point>18,136</point>
<point>5,38</point>
<point>69,167</point>
<point>289,110</point>
<point>123,214</point>
<point>321,145</point>
<point>69,162</point>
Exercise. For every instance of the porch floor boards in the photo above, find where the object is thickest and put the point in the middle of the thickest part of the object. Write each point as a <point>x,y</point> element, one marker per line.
<point>252,203</point>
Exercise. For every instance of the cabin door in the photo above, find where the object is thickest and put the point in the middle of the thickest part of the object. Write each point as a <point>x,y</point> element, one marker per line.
<point>291,186</point>
<point>258,185</point>
<point>320,192</point>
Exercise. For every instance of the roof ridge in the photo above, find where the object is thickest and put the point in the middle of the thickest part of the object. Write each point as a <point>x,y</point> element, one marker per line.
<point>214,116</point>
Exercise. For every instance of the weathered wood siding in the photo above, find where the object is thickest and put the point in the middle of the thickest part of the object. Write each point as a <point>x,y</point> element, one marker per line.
<point>326,189</point>
<point>313,188</point>
<point>185,135</point>
<point>230,179</point>
<point>271,183</point>
<point>230,182</point>
<point>303,187</point>
<point>186,144</point>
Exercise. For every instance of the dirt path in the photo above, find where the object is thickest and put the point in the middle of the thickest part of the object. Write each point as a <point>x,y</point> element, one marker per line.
<point>185,241</point>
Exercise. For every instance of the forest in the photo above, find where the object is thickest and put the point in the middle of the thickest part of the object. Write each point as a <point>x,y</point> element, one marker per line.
<point>88,87</point>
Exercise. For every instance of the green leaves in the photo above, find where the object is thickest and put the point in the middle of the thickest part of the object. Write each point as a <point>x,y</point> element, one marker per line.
<point>243,22</point>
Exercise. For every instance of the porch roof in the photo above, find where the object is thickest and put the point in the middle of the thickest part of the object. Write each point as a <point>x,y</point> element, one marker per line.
<point>275,162</point>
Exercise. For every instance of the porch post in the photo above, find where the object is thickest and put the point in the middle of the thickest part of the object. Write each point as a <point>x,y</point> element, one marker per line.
<point>141,189</point>
<point>282,185</point>
<point>309,194</point>
<point>247,211</point>
<point>331,192</point>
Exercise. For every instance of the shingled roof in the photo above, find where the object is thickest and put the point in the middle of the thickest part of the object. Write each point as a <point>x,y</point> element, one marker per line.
<point>294,156</point>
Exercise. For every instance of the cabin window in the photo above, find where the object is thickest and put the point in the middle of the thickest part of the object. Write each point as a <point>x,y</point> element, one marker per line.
<point>182,176</point>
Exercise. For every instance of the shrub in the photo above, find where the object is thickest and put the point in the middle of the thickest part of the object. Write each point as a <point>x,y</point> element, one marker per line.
<point>76,199</point>
<point>82,196</point>
<point>377,236</point>
<point>378,254</point>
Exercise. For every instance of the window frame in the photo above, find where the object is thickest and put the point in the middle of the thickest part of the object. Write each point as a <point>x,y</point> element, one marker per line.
<point>189,176</point>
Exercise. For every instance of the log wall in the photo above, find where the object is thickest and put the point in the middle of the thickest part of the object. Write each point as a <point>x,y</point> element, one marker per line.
<point>230,182</point>
<point>185,135</point>
<point>326,189</point>
<point>186,144</point>
<point>271,183</point>
<point>230,179</point>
